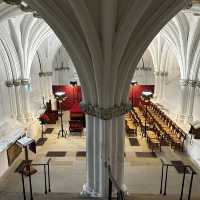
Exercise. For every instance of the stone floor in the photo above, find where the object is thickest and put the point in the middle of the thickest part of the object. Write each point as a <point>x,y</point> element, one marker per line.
<point>68,174</point>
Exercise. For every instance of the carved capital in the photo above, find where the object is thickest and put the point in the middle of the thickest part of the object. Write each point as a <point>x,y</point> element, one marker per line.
<point>61,68</point>
<point>17,82</point>
<point>156,73</point>
<point>36,14</point>
<point>45,74</point>
<point>9,83</point>
<point>184,82</point>
<point>192,83</point>
<point>190,2</point>
<point>163,74</point>
<point>25,81</point>
<point>106,113</point>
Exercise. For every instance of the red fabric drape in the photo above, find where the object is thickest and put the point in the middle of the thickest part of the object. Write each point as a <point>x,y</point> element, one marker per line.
<point>73,94</point>
<point>135,92</point>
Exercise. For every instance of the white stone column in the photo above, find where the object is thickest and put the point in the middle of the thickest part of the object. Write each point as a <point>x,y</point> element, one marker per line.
<point>191,95</point>
<point>88,187</point>
<point>17,84</point>
<point>25,95</point>
<point>50,93</point>
<point>156,85</point>
<point>97,157</point>
<point>198,88</point>
<point>47,86</point>
<point>105,146</point>
<point>120,148</point>
<point>42,88</point>
<point>184,99</point>
<point>159,87</point>
<point>11,92</point>
<point>162,86</point>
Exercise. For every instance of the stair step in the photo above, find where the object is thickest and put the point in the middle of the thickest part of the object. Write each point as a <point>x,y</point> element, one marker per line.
<point>74,196</point>
<point>157,197</point>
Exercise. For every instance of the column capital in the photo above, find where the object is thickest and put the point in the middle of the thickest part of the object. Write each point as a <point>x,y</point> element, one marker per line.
<point>25,81</point>
<point>9,83</point>
<point>184,82</point>
<point>61,68</point>
<point>45,74</point>
<point>192,2</point>
<point>106,113</point>
<point>192,83</point>
<point>17,82</point>
<point>163,74</point>
<point>198,84</point>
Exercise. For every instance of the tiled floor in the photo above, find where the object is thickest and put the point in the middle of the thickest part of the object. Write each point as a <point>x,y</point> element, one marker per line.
<point>68,174</point>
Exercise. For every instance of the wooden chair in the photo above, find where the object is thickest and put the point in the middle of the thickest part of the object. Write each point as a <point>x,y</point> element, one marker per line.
<point>76,126</point>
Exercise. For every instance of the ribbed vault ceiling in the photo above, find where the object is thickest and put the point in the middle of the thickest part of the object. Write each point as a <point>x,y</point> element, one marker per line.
<point>106,39</point>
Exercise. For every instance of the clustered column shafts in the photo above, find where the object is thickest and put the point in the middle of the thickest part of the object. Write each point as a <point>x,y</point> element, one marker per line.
<point>19,105</point>
<point>184,99</point>
<point>192,89</point>
<point>105,146</point>
<point>160,81</point>
<point>46,84</point>
<point>188,91</point>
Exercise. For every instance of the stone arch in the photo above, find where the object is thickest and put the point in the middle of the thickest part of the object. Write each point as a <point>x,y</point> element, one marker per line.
<point>106,89</point>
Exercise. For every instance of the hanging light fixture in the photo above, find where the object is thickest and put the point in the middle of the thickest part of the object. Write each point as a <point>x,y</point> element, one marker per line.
<point>25,7</point>
<point>146,95</point>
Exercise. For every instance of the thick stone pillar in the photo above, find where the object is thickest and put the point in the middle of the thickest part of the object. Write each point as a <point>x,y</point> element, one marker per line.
<point>105,146</point>
<point>184,99</point>
<point>191,95</point>
<point>12,100</point>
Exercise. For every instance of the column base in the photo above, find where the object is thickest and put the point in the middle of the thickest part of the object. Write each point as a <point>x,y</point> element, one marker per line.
<point>29,117</point>
<point>182,118</point>
<point>21,118</point>
<point>88,192</point>
<point>190,118</point>
<point>124,188</point>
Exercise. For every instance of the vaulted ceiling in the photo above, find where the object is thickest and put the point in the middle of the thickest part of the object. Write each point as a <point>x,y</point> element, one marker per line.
<point>106,39</point>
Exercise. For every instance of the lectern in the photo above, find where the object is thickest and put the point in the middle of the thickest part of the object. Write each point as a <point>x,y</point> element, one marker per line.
<point>25,142</point>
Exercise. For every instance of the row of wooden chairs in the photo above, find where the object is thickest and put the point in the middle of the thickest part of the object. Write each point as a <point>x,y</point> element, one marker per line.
<point>139,116</point>
<point>130,126</point>
<point>153,140</point>
<point>152,134</point>
<point>170,131</point>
